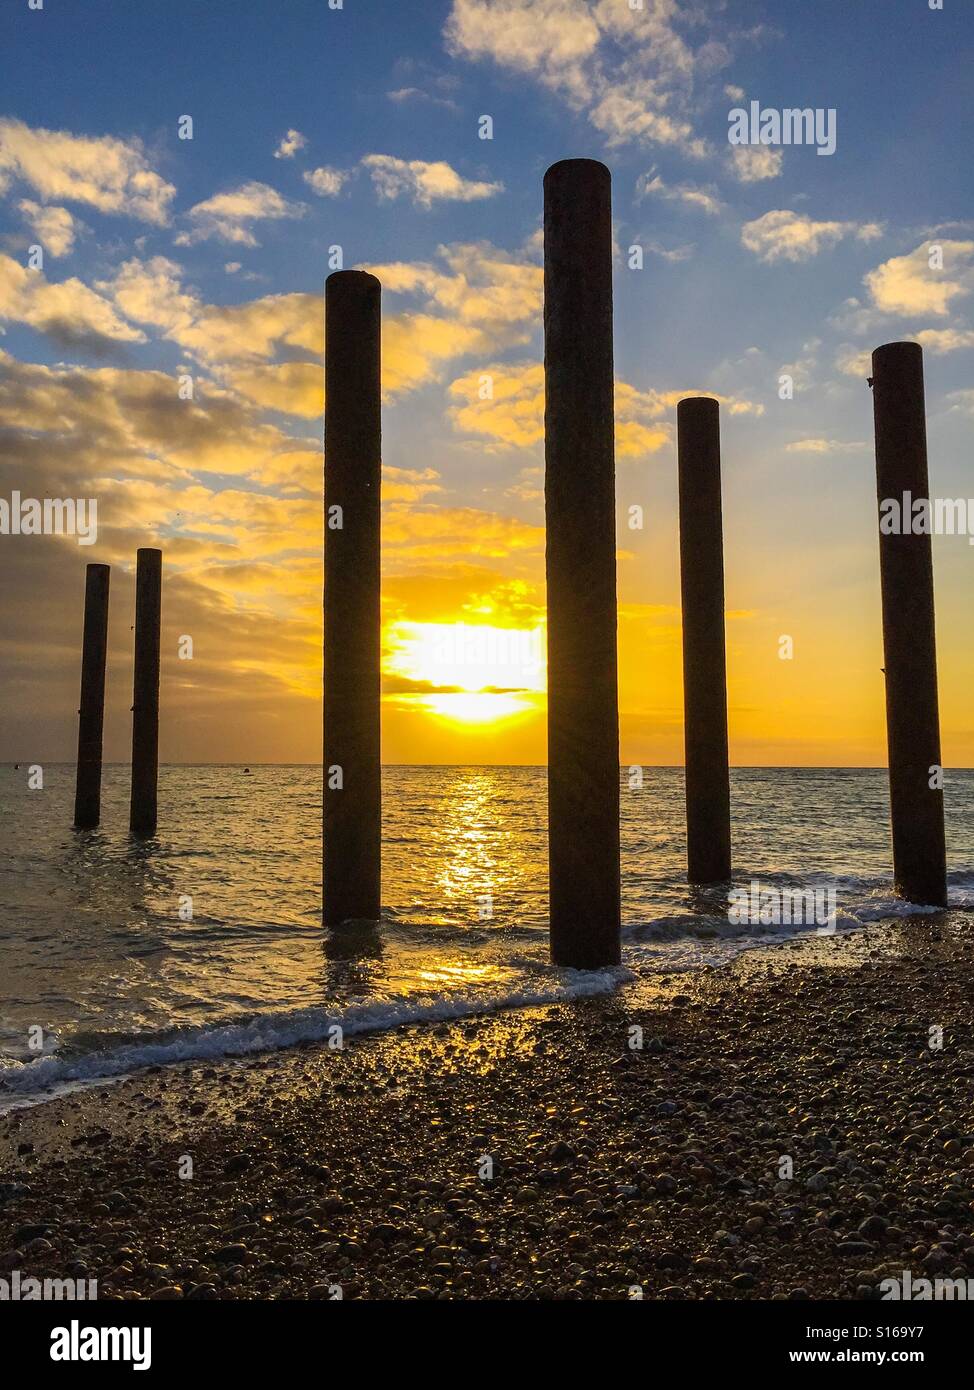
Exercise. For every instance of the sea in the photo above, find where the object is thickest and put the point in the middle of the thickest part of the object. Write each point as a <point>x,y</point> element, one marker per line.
<point>206,942</point>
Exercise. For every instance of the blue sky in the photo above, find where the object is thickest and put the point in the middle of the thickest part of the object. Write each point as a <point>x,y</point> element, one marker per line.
<point>799,263</point>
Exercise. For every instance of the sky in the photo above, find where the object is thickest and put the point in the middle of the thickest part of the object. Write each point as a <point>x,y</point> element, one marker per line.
<point>163,355</point>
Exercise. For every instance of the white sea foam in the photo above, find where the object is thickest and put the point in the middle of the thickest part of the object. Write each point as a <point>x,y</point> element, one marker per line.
<point>273,1031</point>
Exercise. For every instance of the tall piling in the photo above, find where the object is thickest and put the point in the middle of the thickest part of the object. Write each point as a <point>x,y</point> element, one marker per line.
<point>909,641</point>
<point>91,714</point>
<point>704,661</point>
<point>583,713</point>
<point>143,811</point>
<point>352,807</point>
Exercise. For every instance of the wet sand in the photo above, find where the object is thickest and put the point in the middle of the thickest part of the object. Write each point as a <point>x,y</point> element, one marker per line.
<point>538,1154</point>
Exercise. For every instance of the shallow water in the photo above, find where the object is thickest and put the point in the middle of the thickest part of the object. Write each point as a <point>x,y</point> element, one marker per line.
<point>207,940</point>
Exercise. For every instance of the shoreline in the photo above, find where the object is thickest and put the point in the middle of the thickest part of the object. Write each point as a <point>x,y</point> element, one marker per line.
<point>536,1154</point>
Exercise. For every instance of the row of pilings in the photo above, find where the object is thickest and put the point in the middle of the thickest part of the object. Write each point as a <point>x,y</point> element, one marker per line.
<point>145,696</point>
<point>583,721</point>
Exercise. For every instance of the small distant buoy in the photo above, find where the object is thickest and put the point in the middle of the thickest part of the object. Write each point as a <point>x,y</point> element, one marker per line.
<point>246,769</point>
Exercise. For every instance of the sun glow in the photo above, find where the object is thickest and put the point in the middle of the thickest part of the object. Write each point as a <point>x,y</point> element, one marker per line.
<point>467,673</point>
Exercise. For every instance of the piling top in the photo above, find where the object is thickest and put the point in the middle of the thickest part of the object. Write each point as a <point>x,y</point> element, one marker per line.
<point>149,552</point>
<point>352,281</point>
<point>903,351</point>
<point>698,405</point>
<point>577,170</point>
<point>97,569</point>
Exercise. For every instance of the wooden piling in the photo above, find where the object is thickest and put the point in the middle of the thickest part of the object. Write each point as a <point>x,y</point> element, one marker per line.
<point>704,663</point>
<point>87,794</point>
<point>583,716</point>
<point>352,811</point>
<point>143,811</point>
<point>909,640</point>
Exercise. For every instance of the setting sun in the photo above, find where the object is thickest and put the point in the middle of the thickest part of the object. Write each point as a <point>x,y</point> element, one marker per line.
<point>468,673</point>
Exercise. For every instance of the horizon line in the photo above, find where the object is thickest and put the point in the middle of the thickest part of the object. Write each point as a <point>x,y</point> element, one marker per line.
<point>679,767</point>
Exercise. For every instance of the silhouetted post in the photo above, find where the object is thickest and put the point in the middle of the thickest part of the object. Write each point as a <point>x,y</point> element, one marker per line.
<point>352,832</point>
<point>87,794</point>
<point>583,714</point>
<point>704,667</point>
<point>145,705</point>
<point>909,642</point>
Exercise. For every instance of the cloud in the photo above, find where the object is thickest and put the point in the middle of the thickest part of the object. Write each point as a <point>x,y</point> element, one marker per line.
<point>630,71</point>
<point>940,341</point>
<point>700,199</point>
<point>461,532</point>
<point>69,312</point>
<point>754,163</point>
<point>407,94</point>
<point>107,173</point>
<point>296,388</point>
<point>826,446</point>
<point>474,298</point>
<point>426,183</point>
<point>802,370</point>
<point>670,253</point>
<point>512,415</point>
<point>243,565</point>
<point>909,285</point>
<point>152,292</point>
<point>852,316</point>
<point>326,181</point>
<point>409,484</point>
<point>290,144</point>
<point>123,422</point>
<point>794,236</point>
<point>962,401</point>
<point>853,361</point>
<point>505,404</point>
<point>54,227</point>
<point>227,215</point>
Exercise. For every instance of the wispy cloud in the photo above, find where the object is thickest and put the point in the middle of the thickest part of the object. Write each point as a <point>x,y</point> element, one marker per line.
<point>425,183</point>
<point>630,70</point>
<point>940,341</point>
<point>227,216</point>
<point>290,144</point>
<point>826,446</point>
<point>402,95</point>
<point>505,405</point>
<point>755,163</point>
<point>326,181</point>
<point>107,173</point>
<point>700,199</point>
<point>55,228</point>
<point>794,236</point>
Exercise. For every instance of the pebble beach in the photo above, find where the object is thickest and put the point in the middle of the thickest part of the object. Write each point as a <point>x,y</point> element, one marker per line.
<point>638,1146</point>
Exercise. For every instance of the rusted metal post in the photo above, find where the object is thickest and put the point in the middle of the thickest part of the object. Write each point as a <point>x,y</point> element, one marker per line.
<point>352,814</point>
<point>91,721</point>
<point>704,663</point>
<point>909,640</point>
<point>143,811</point>
<point>583,714</point>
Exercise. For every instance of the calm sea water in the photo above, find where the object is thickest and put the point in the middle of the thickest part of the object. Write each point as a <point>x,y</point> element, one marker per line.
<point>101,959</point>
